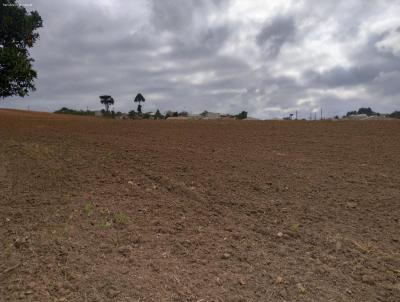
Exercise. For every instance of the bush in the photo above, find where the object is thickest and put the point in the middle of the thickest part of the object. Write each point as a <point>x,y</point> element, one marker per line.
<point>158,115</point>
<point>170,113</point>
<point>241,116</point>
<point>351,113</point>
<point>395,114</point>
<point>146,116</point>
<point>65,110</point>
<point>132,114</point>
<point>368,111</point>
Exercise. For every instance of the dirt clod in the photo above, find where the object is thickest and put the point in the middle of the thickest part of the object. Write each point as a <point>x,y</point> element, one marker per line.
<point>368,279</point>
<point>226,256</point>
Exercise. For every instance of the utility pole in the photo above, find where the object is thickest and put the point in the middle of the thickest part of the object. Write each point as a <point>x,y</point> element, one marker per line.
<point>321,113</point>
<point>296,115</point>
<point>315,116</point>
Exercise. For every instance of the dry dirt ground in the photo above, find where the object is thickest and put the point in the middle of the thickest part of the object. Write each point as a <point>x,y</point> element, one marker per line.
<point>109,210</point>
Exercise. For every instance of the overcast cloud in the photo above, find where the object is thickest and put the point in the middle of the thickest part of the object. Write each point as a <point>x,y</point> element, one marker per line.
<point>269,58</point>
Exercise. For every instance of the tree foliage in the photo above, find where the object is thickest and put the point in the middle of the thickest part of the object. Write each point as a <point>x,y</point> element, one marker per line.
<point>132,114</point>
<point>363,110</point>
<point>368,111</point>
<point>354,112</point>
<point>170,113</point>
<point>241,116</point>
<point>138,99</point>
<point>106,100</point>
<point>395,114</point>
<point>17,34</point>
<point>158,115</point>
<point>65,110</point>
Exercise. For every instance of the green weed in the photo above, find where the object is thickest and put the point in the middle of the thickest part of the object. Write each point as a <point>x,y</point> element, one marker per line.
<point>88,209</point>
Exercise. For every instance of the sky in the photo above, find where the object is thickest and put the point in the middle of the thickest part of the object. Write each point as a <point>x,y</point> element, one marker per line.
<point>269,58</point>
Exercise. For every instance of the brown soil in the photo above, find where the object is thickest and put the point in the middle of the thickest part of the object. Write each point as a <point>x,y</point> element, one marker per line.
<point>109,210</point>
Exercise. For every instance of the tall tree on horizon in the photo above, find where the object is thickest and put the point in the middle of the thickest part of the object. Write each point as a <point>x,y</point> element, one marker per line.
<point>138,99</point>
<point>17,34</point>
<point>106,100</point>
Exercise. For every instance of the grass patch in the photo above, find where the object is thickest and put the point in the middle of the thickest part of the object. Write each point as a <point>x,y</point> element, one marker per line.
<point>121,218</point>
<point>88,209</point>
<point>105,223</point>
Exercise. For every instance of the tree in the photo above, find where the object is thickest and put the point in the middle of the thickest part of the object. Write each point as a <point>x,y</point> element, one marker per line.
<point>17,34</point>
<point>65,110</point>
<point>106,100</point>
<point>395,114</point>
<point>368,111</point>
<point>138,99</point>
<point>351,113</point>
<point>204,113</point>
<point>158,115</point>
<point>168,114</point>
<point>132,114</point>
<point>241,116</point>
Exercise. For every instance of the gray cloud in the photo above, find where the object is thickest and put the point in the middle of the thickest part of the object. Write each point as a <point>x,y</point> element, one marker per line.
<point>339,76</point>
<point>275,33</point>
<point>266,58</point>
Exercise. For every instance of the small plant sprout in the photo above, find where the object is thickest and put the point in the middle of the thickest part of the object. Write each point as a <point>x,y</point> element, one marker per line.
<point>88,209</point>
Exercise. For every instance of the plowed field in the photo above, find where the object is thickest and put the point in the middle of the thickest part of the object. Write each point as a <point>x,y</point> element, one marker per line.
<point>96,209</point>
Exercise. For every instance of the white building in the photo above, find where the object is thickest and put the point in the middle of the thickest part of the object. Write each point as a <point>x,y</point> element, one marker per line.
<point>212,116</point>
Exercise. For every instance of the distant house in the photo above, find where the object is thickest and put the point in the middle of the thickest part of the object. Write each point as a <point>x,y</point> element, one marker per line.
<point>212,116</point>
<point>357,117</point>
<point>182,118</point>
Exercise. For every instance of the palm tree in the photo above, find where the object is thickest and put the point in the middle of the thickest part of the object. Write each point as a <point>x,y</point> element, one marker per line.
<point>107,100</point>
<point>138,99</point>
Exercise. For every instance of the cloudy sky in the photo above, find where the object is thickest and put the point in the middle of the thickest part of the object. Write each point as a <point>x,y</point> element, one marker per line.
<point>269,58</point>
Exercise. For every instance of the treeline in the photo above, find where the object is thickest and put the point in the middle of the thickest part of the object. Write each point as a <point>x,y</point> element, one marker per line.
<point>394,114</point>
<point>65,110</point>
<point>369,112</point>
<point>147,115</point>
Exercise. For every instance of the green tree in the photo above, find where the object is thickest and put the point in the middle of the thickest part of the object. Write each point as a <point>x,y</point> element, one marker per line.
<point>368,111</point>
<point>241,116</point>
<point>65,110</point>
<point>132,114</point>
<point>204,113</point>
<point>138,99</point>
<point>17,34</point>
<point>158,115</point>
<point>106,100</point>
